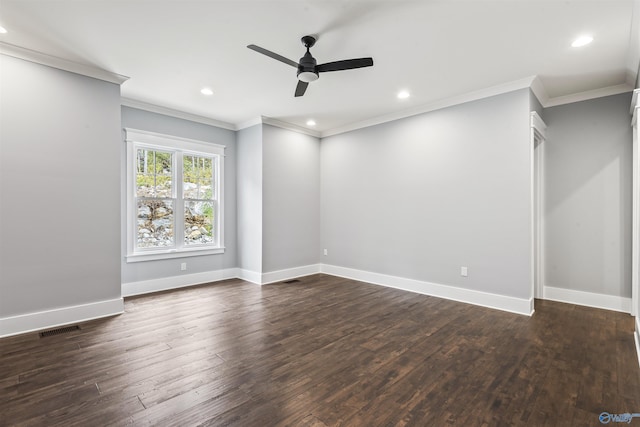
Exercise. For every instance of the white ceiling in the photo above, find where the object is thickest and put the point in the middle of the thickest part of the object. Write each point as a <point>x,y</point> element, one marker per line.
<point>436,49</point>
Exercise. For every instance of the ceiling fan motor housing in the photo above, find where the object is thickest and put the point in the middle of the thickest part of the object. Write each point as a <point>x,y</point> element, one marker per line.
<point>307,68</point>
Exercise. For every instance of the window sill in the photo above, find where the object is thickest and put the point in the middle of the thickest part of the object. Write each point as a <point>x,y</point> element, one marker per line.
<point>182,253</point>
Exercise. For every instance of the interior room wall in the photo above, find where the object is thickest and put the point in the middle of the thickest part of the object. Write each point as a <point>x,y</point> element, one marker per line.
<point>416,198</point>
<point>249,200</point>
<point>59,192</point>
<point>535,105</point>
<point>587,186</point>
<point>291,199</point>
<point>423,196</point>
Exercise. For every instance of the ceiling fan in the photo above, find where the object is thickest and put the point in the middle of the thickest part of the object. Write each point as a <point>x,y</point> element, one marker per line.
<point>308,70</point>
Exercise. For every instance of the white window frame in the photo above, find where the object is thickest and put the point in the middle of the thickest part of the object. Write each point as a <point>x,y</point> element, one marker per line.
<point>178,146</point>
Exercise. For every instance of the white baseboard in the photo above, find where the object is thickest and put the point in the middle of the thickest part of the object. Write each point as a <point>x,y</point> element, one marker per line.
<point>186,280</point>
<point>484,299</point>
<point>636,338</point>
<point>250,276</point>
<point>289,273</point>
<point>589,299</point>
<point>278,275</point>
<point>175,282</point>
<point>48,319</point>
<point>63,316</point>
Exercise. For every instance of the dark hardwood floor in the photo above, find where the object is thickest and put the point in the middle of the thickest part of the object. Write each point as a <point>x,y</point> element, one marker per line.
<point>324,351</point>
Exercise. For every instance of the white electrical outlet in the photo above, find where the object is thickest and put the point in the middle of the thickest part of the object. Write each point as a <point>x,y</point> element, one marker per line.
<point>183,266</point>
<point>464,272</point>
<point>326,252</point>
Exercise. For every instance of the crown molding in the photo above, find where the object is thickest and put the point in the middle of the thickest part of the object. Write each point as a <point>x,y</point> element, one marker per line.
<point>141,105</point>
<point>587,95</point>
<point>249,123</point>
<point>540,92</point>
<point>534,83</point>
<point>290,126</point>
<point>432,106</point>
<point>61,64</point>
<point>153,108</point>
<point>277,123</point>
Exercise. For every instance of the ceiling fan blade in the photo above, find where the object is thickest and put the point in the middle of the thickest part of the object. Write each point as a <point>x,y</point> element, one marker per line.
<point>301,88</point>
<point>347,64</point>
<point>273,55</point>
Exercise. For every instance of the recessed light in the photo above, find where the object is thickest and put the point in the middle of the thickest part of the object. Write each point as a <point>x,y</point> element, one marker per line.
<point>403,94</point>
<point>311,123</point>
<point>582,41</point>
<point>3,30</point>
<point>206,91</point>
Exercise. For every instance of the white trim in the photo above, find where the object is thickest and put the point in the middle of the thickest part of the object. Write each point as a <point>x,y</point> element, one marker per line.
<point>538,124</point>
<point>154,138</point>
<point>176,282</point>
<point>289,273</point>
<point>500,302</point>
<point>432,106</point>
<point>48,319</point>
<point>537,133</point>
<point>589,299</point>
<point>587,95</point>
<point>635,211</point>
<point>277,123</point>
<point>61,64</point>
<point>636,338</point>
<point>182,253</point>
<point>249,123</point>
<point>532,205</point>
<point>179,147</point>
<point>538,89</point>
<point>534,83</point>
<point>635,206</point>
<point>250,276</point>
<point>153,108</point>
<point>289,126</point>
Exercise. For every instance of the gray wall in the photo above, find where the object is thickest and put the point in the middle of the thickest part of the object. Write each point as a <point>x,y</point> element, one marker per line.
<point>291,199</point>
<point>422,196</point>
<point>587,189</point>
<point>417,198</point>
<point>147,270</point>
<point>59,188</point>
<point>249,176</point>
<point>534,105</point>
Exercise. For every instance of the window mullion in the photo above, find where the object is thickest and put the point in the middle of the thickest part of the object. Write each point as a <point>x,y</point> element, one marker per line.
<point>178,195</point>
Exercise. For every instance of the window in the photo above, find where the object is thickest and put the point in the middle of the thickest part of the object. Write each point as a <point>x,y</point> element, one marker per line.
<point>174,197</point>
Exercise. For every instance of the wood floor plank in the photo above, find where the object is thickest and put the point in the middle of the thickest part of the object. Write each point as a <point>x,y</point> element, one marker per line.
<point>326,351</point>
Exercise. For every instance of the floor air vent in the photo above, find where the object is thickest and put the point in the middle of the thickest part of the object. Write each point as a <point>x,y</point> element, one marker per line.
<point>59,331</point>
<point>288,282</point>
